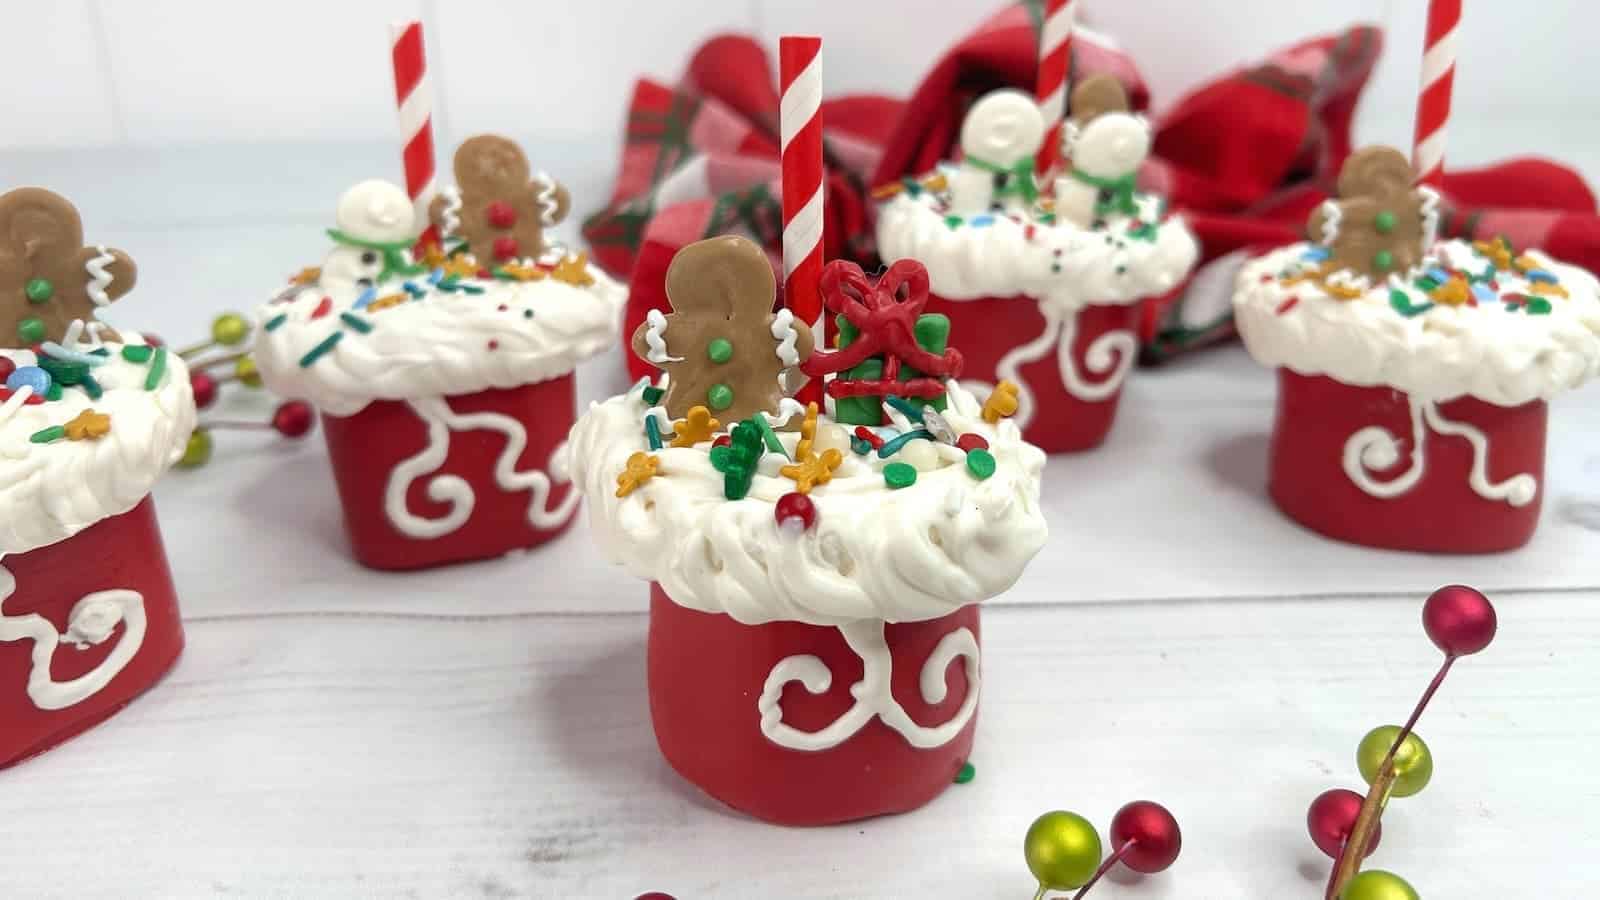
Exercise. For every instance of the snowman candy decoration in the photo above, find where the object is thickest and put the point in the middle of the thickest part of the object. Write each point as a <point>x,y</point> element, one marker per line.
<point>999,138</point>
<point>376,227</point>
<point>1106,144</point>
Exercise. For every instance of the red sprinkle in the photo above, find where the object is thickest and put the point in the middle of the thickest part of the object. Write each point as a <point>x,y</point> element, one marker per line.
<point>722,441</point>
<point>1288,304</point>
<point>323,308</point>
<point>972,441</point>
<point>1267,278</point>
<point>33,399</point>
<point>494,345</point>
<point>1027,232</point>
<point>502,307</point>
<point>867,435</point>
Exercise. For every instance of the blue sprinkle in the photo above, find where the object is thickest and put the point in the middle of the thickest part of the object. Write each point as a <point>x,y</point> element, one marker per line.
<point>435,276</point>
<point>413,290</point>
<point>1438,274</point>
<point>1316,253</point>
<point>981,221</point>
<point>367,296</point>
<point>1484,295</point>
<point>30,377</point>
<point>1540,275</point>
<point>56,351</point>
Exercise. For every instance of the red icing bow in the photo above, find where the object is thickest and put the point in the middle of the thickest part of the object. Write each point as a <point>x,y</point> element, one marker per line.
<point>886,322</point>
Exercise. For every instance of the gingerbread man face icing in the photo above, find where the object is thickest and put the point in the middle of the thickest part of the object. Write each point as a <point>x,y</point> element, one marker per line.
<point>48,278</point>
<point>722,345</point>
<point>503,211</point>
<point>1377,226</point>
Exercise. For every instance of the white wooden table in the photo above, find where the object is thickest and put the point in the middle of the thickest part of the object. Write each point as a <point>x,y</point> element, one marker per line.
<point>482,730</point>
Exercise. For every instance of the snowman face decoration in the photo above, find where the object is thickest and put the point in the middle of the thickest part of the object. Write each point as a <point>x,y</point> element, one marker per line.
<point>1112,145</point>
<point>378,212</point>
<point>1003,129</point>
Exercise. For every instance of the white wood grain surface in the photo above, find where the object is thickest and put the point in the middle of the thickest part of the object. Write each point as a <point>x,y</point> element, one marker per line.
<point>481,731</point>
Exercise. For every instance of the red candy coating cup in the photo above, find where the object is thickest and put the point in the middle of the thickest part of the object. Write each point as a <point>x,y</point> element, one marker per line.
<point>1440,512</point>
<point>77,682</point>
<point>365,449</point>
<point>986,329</point>
<point>707,673</point>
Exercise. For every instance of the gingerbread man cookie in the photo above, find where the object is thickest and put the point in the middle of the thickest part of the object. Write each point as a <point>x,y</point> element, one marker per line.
<point>500,210</point>
<point>723,346</point>
<point>48,278</point>
<point>1095,96</point>
<point>1377,226</point>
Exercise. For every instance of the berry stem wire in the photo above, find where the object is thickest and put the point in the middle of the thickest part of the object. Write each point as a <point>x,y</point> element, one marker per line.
<point>1105,867</point>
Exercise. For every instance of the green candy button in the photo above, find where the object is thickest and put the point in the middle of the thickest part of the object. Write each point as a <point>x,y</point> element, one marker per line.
<point>1383,260</point>
<point>980,463</point>
<point>720,350</point>
<point>898,475</point>
<point>40,291</point>
<point>31,330</point>
<point>1384,222</point>
<point>720,396</point>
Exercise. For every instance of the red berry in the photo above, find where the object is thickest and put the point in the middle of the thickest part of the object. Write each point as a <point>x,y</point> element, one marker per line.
<point>205,389</point>
<point>1153,832</point>
<point>6,368</point>
<point>501,215</point>
<point>293,419</point>
<point>795,505</point>
<point>1459,620</point>
<point>505,248</point>
<point>972,441</point>
<point>1332,816</point>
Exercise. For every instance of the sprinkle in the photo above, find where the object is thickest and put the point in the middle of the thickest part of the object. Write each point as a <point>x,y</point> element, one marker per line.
<point>158,367</point>
<point>980,463</point>
<point>276,322</point>
<point>953,221</point>
<point>88,426</point>
<point>320,350</point>
<point>860,446</point>
<point>367,296</point>
<point>1439,275</point>
<point>866,434</point>
<point>1001,402</point>
<point>1401,301</point>
<point>47,435</point>
<point>972,441</point>
<point>1540,275</point>
<point>652,431</point>
<point>494,344</point>
<point>770,437</point>
<point>1316,253</point>
<point>356,322</point>
<point>652,395</point>
<point>324,307</point>
<point>416,291</point>
<point>639,468</point>
<point>1288,304</point>
<point>91,387</point>
<point>898,475</point>
<point>54,393</point>
<point>699,425</point>
<point>137,354</point>
<point>911,410</point>
<point>56,351</point>
<point>1484,294</point>
<point>982,221</point>
<point>900,440</point>
<point>936,423</point>
<point>1538,306</point>
<point>966,774</point>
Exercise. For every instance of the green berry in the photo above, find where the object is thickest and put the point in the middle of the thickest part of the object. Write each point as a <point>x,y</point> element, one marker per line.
<point>31,330</point>
<point>40,290</point>
<point>230,329</point>
<point>899,475</point>
<point>1384,222</point>
<point>980,463</point>
<point>719,397</point>
<point>720,350</point>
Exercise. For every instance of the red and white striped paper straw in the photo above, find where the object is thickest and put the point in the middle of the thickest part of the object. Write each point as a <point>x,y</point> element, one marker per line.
<point>800,127</point>
<point>414,98</point>
<point>1055,59</point>
<point>1438,82</point>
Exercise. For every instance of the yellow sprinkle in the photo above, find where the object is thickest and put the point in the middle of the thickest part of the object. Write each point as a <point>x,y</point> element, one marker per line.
<point>308,275</point>
<point>641,467</point>
<point>461,267</point>
<point>813,469</point>
<point>574,270</point>
<point>1547,289</point>
<point>1455,292</point>
<point>699,426</point>
<point>520,272</point>
<point>386,301</point>
<point>88,426</point>
<point>1001,404</point>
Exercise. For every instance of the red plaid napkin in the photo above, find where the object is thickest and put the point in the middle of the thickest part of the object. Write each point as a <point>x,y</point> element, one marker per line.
<point>1244,158</point>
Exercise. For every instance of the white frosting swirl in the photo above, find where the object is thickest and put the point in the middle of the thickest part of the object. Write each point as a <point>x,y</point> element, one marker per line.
<point>1060,265</point>
<point>873,553</point>
<point>51,491</point>
<point>436,344</point>
<point>1492,351</point>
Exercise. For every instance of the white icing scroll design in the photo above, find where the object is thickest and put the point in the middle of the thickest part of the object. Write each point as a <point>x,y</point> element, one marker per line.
<point>1374,448</point>
<point>873,696</point>
<point>1110,355</point>
<point>454,491</point>
<point>92,621</point>
<point>655,328</point>
<point>786,334</point>
<point>451,212</point>
<point>99,278</point>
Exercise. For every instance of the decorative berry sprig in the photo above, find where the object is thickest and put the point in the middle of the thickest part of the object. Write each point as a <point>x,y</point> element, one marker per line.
<point>1063,849</point>
<point>1394,761</point>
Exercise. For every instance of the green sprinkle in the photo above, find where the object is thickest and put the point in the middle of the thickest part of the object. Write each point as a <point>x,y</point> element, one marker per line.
<point>652,395</point>
<point>158,367</point>
<point>90,387</point>
<point>898,475</point>
<point>320,350</point>
<point>355,321</point>
<point>47,435</point>
<point>1401,301</point>
<point>1384,222</point>
<point>720,350</point>
<point>892,446</point>
<point>966,774</point>
<point>276,322</point>
<point>66,371</point>
<point>911,410</point>
<point>980,463</point>
<point>40,290</point>
<point>137,354</point>
<point>54,393</point>
<point>31,330</point>
<point>1539,306</point>
<point>769,436</point>
<point>652,431</point>
<point>719,396</point>
<point>953,221</point>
